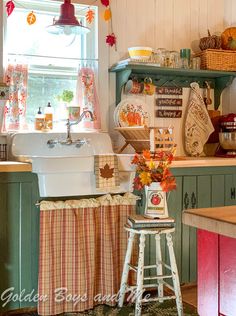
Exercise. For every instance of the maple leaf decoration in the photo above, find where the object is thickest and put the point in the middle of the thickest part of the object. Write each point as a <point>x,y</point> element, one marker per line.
<point>111,39</point>
<point>105,2</point>
<point>90,16</point>
<point>106,172</point>
<point>31,18</point>
<point>10,7</point>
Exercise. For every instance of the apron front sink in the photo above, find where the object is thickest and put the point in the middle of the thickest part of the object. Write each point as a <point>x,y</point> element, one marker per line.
<point>68,169</point>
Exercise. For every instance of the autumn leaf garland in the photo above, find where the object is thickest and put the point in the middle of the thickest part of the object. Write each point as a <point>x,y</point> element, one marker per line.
<point>107,15</point>
<point>90,14</point>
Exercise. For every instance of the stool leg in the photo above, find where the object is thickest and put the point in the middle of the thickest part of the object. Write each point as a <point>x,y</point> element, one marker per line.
<point>125,270</point>
<point>140,272</point>
<point>175,275</point>
<point>159,265</point>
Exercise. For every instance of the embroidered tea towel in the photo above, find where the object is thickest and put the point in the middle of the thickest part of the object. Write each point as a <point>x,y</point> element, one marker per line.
<point>106,172</point>
<point>198,125</point>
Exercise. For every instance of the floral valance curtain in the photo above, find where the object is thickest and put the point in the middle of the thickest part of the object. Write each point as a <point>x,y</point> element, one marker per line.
<point>86,95</point>
<point>16,77</point>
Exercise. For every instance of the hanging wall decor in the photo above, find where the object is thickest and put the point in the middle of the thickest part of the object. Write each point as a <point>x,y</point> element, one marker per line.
<point>90,16</point>
<point>107,16</point>
<point>10,7</point>
<point>31,18</point>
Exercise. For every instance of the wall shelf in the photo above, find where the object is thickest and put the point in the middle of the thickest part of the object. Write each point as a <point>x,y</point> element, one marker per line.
<point>218,80</point>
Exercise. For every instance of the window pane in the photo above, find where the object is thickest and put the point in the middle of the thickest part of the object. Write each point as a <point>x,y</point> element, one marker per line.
<point>45,88</point>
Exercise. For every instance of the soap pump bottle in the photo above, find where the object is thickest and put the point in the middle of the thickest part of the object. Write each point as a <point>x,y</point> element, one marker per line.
<point>39,120</point>
<point>48,111</point>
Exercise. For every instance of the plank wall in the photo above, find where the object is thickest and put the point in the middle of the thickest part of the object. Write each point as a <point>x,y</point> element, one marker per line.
<point>172,24</point>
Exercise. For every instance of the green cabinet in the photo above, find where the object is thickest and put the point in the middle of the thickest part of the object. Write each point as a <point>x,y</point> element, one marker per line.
<point>196,188</point>
<point>19,237</point>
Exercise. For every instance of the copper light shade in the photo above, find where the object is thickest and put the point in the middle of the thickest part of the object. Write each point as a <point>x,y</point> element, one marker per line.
<point>67,22</point>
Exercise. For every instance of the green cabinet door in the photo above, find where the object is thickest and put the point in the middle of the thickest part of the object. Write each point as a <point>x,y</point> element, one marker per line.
<point>19,237</point>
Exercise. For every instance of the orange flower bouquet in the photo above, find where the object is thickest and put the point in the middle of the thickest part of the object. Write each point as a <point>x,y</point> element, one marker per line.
<point>154,168</point>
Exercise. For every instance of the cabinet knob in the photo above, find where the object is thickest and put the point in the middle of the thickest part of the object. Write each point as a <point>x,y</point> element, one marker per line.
<point>232,193</point>
<point>193,200</point>
<point>186,200</point>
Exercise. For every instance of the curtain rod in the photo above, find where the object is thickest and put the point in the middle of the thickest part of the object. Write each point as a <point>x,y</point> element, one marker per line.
<point>53,57</point>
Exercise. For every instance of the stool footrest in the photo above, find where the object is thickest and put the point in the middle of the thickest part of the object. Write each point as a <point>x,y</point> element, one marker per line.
<point>132,267</point>
<point>168,285</point>
<point>158,277</point>
<point>154,299</point>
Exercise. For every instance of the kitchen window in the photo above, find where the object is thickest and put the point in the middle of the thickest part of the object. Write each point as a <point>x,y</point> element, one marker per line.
<point>53,60</point>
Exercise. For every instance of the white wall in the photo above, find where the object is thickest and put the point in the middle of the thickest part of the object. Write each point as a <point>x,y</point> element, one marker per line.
<point>172,24</point>
<point>229,94</point>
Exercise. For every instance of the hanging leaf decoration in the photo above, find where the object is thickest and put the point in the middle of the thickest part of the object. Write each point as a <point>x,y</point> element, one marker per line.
<point>105,2</point>
<point>90,16</point>
<point>111,39</point>
<point>107,15</point>
<point>31,18</point>
<point>10,7</point>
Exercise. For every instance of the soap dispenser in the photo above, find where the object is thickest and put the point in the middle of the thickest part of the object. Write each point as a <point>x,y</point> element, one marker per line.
<point>39,120</point>
<point>48,111</point>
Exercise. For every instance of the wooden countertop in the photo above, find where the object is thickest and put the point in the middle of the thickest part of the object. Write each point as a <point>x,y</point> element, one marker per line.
<point>220,220</point>
<point>14,166</point>
<point>185,162</point>
<point>178,162</point>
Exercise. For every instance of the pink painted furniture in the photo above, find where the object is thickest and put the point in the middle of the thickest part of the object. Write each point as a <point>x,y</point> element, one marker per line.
<point>216,259</point>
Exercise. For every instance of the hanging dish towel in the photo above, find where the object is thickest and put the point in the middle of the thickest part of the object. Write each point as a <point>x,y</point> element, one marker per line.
<point>106,172</point>
<point>198,126</point>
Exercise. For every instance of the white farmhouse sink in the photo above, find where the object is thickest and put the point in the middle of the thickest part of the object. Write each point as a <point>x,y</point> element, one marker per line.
<point>66,170</point>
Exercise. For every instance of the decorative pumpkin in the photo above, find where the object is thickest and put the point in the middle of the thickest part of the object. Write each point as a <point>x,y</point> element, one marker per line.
<point>210,41</point>
<point>228,38</point>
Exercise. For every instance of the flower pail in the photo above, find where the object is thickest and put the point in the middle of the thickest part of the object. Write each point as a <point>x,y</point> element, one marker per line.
<point>156,205</point>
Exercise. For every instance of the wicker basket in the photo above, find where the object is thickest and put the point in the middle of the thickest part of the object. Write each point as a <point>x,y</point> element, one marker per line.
<point>218,59</point>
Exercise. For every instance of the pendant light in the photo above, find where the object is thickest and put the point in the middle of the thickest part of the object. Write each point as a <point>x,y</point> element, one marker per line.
<point>67,22</point>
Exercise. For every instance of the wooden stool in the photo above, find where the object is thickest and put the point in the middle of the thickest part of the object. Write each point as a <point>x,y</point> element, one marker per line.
<point>140,287</point>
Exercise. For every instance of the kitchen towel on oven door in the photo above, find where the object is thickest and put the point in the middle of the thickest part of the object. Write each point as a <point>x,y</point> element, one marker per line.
<point>198,125</point>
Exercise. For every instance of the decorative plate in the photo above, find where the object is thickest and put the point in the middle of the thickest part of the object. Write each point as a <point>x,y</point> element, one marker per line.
<point>132,112</point>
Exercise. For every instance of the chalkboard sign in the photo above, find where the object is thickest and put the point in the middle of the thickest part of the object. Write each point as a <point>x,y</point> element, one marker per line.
<point>169,90</point>
<point>169,113</point>
<point>169,102</point>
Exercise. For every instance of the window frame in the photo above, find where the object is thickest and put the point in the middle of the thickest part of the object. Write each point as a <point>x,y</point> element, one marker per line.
<point>102,51</point>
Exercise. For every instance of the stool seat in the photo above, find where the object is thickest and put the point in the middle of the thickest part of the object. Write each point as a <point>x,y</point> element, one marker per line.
<point>150,231</point>
<point>159,279</point>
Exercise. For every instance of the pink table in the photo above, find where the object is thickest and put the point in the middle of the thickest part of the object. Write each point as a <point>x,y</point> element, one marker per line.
<point>216,259</point>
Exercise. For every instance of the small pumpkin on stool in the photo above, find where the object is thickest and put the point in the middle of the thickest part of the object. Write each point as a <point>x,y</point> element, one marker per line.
<point>210,42</point>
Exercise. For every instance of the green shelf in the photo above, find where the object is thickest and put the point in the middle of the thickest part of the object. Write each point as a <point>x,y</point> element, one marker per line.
<point>218,80</point>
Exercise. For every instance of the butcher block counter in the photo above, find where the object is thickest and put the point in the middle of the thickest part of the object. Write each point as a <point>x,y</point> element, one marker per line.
<point>14,166</point>
<point>216,242</point>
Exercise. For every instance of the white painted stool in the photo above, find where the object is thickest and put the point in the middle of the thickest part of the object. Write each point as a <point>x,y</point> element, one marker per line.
<point>140,287</point>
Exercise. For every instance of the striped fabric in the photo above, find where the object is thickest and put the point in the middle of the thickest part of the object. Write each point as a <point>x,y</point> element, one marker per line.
<point>82,251</point>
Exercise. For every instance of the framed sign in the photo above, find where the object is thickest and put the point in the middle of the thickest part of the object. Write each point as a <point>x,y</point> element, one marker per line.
<point>169,113</point>
<point>156,205</point>
<point>169,102</point>
<point>169,90</point>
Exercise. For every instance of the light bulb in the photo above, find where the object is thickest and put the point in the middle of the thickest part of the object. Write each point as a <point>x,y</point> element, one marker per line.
<point>67,30</point>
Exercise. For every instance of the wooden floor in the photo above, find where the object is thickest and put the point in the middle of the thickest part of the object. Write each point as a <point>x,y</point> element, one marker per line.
<point>189,294</point>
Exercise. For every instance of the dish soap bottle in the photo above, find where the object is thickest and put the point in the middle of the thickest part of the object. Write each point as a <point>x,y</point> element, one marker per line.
<point>39,120</point>
<point>48,111</point>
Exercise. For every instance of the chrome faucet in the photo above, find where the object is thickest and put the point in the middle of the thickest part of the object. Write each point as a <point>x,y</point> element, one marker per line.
<point>69,124</point>
<point>68,141</point>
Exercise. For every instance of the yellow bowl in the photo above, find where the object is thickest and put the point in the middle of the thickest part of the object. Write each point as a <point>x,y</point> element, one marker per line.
<point>140,52</point>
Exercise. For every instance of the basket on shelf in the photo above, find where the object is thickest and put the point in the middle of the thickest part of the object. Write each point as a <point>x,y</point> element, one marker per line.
<point>218,59</point>
<point>151,138</point>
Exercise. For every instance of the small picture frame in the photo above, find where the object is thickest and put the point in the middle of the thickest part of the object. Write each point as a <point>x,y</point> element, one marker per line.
<point>156,205</point>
